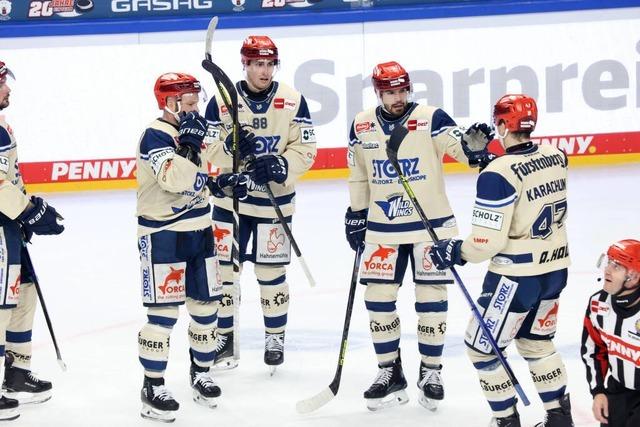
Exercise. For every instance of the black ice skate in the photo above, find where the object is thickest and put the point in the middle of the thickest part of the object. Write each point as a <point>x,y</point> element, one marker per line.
<point>205,389</point>
<point>430,385</point>
<point>8,409</point>
<point>273,350</point>
<point>558,417</point>
<point>512,420</point>
<point>388,389</point>
<point>23,385</point>
<point>225,358</point>
<point>157,402</point>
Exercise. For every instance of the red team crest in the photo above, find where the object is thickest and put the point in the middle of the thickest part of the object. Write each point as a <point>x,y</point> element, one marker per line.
<point>382,254</point>
<point>15,289</point>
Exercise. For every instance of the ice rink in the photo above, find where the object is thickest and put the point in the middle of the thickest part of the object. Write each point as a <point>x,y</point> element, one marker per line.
<point>90,279</point>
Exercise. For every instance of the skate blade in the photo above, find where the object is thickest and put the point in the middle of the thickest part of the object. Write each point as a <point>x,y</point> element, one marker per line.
<point>209,402</point>
<point>429,404</point>
<point>26,398</point>
<point>397,398</point>
<point>9,414</point>
<point>272,370</point>
<point>150,413</point>
<point>225,364</point>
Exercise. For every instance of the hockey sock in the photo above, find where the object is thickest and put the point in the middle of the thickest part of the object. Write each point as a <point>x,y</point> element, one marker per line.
<point>202,331</point>
<point>431,307</point>
<point>495,383</point>
<point>153,340</point>
<point>547,370</point>
<point>18,333</point>
<point>274,297</point>
<point>384,323</point>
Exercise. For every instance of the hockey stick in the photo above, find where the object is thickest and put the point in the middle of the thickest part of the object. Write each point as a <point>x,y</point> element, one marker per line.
<point>322,398</point>
<point>230,98</point>
<point>45,312</point>
<point>393,144</point>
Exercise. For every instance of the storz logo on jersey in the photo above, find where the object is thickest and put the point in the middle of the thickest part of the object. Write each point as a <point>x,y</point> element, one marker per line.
<point>201,180</point>
<point>123,6</point>
<point>267,144</point>
<point>384,169</point>
<point>395,206</point>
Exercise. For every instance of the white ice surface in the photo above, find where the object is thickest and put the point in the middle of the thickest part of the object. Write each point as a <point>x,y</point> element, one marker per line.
<point>90,279</point>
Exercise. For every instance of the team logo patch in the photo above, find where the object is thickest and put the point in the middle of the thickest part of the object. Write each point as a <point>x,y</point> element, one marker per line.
<point>170,282</point>
<point>283,103</point>
<point>272,244</point>
<point>424,268</point>
<point>395,206</point>
<point>223,240</point>
<point>417,125</point>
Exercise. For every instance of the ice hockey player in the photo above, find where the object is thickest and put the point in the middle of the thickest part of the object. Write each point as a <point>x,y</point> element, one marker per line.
<point>278,145</point>
<point>21,216</point>
<point>175,241</point>
<point>611,338</point>
<point>518,224</point>
<point>382,221</point>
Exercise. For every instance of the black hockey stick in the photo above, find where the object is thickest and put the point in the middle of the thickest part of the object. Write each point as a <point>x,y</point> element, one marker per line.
<point>322,398</point>
<point>230,98</point>
<point>393,145</point>
<point>45,312</point>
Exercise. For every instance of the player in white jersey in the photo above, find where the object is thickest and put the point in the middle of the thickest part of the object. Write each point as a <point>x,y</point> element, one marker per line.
<point>282,142</point>
<point>394,233</point>
<point>21,216</point>
<point>175,241</point>
<point>518,224</point>
<point>611,338</point>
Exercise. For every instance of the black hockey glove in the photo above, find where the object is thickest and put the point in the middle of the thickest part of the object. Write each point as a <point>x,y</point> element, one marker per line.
<point>475,141</point>
<point>246,145</point>
<point>40,219</point>
<point>447,253</point>
<point>355,227</point>
<point>229,185</point>
<point>267,168</point>
<point>193,128</point>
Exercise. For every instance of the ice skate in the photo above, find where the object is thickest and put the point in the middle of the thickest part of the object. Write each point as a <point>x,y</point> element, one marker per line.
<point>273,351</point>
<point>558,417</point>
<point>388,389</point>
<point>512,420</point>
<point>430,385</point>
<point>24,386</point>
<point>205,389</point>
<point>224,353</point>
<point>157,402</point>
<point>8,409</point>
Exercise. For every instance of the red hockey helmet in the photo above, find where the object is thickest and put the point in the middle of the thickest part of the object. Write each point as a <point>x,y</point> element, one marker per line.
<point>626,253</point>
<point>518,112</point>
<point>4,72</point>
<point>258,47</point>
<point>174,84</point>
<point>389,76</point>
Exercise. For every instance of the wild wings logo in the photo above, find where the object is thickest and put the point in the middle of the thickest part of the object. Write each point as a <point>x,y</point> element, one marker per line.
<point>270,4</point>
<point>62,8</point>
<point>395,206</point>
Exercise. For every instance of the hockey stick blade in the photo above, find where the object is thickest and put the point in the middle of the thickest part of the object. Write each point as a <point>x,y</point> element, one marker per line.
<point>223,80</point>
<point>208,41</point>
<point>313,403</point>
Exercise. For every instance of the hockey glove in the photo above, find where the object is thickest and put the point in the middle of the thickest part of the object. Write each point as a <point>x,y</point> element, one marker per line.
<point>246,144</point>
<point>267,168</point>
<point>447,253</point>
<point>355,227</point>
<point>193,129</point>
<point>40,218</point>
<point>228,185</point>
<point>475,141</point>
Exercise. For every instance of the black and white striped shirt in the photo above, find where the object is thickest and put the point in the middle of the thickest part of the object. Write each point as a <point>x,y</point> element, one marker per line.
<point>611,343</point>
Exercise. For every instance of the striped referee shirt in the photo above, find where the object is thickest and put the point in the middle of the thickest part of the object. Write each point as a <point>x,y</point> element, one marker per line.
<point>611,343</point>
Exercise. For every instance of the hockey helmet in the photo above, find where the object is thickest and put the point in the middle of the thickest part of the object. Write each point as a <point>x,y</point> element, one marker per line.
<point>174,84</point>
<point>4,72</point>
<point>259,47</point>
<point>625,253</point>
<point>518,112</point>
<point>389,76</point>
